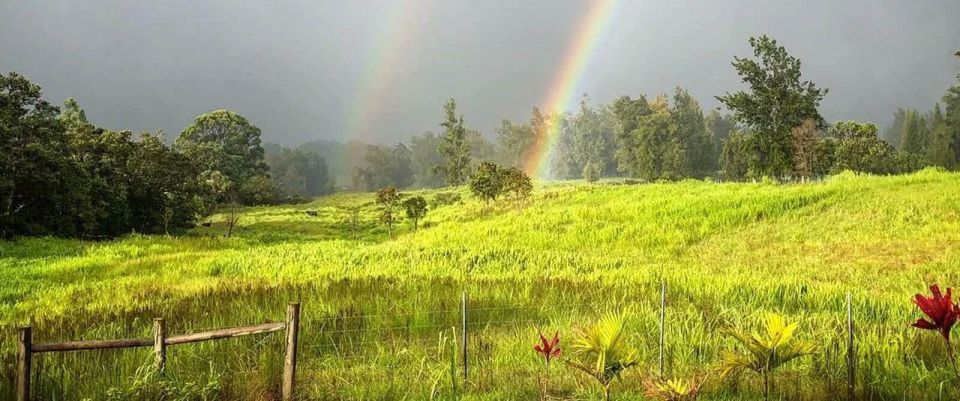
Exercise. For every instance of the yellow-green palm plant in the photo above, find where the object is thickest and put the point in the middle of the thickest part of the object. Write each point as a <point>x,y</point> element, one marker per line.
<point>603,352</point>
<point>765,352</point>
<point>674,389</point>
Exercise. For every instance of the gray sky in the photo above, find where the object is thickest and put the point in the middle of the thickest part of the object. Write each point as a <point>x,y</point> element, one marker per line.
<point>381,70</point>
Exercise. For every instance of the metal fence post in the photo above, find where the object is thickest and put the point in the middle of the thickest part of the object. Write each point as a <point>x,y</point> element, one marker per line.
<point>851,351</point>
<point>24,349</point>
<point>663,318</point>
<point>159,344</point>
<point>290,361</point>
<point>463,311</point>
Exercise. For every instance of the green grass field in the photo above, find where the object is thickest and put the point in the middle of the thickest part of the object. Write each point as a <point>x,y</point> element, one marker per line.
<point>381,316</point>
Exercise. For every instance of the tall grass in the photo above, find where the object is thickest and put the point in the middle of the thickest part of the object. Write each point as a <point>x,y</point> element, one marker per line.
<point>381,317</point>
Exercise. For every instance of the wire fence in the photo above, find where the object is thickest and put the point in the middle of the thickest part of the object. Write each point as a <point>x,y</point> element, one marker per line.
<point>472,332</point>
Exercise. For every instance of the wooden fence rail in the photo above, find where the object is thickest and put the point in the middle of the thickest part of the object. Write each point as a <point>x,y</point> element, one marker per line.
<point>26,348</point>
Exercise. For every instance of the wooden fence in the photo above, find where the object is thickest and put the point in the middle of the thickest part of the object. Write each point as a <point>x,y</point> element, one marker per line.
<point>26,348</point>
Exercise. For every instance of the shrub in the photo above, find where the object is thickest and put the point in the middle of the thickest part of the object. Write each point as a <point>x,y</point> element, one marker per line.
<point>591,171</point>
<point>487,181</point>
<point>416,208</point>
<point>517,184</point>
<point>445,198</point>
<point>388,198</point>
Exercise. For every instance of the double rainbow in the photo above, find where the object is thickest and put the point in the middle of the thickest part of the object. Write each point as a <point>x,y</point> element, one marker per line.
<point>563,91</point>
<point>396,37</point>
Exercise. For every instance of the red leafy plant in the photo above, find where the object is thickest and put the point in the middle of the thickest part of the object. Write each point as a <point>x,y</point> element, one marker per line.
<point>942,314</point>
<point>548,349</point>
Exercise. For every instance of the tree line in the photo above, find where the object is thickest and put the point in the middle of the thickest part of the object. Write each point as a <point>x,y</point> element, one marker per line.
<point>773,128</point>
<point>62,175</point>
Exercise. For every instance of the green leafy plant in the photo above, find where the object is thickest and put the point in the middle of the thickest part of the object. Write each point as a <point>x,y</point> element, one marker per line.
<point>765,351</point>
<point>674,389</point>
<point>603,352</point>
<point>416,208</point>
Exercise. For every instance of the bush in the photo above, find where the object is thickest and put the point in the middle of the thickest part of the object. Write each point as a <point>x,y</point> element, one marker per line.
<point>591,172</point>
<point>517,184</point>
<point>487,181</point>
<point>445,198</point>
<point>416,208</point>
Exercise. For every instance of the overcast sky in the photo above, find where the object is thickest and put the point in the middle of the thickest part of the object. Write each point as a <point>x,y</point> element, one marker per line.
<point>381,70</point>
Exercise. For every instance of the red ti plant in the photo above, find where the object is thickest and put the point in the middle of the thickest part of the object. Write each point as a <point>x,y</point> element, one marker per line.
<point>942,314</point>
<point>548,349</point>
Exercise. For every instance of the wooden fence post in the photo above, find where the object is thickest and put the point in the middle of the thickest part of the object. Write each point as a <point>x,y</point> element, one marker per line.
<point>851,352</point>
<point>159,344</point>
<point>466,358</point>
<point>24,348</point>
<point>290,360</point>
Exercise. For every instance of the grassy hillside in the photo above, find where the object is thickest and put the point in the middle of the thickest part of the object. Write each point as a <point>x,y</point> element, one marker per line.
<point>379,313</point>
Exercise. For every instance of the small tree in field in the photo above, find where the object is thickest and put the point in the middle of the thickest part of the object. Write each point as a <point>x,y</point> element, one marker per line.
<point>487,182</point>
<point>388,198</point>
<point>591,171</point>
<point>416,208</point>
<point>517,184</point>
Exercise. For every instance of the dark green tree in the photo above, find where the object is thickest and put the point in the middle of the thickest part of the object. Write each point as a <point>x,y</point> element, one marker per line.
<point>389,199</point>
<point>423,158</point>
<point>416,208</point>
<point>628,112</point>
<point>300,173</point>
<point>514,142</point>
<point>487,181</point>
<point>656,148</point>
<point>951,102</point>
<point>517,184</point>
<point>941,150</point>
<point>40,188</point>
<point>736,157</point>
<point>776,102</point>
<point>226,142</point>
<point>693,153</point>
<point>914,137</point>
<point>859,149</point>
<point>454,148</point>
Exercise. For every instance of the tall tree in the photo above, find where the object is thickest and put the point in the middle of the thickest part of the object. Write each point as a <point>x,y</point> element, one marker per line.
<point>776,102</point>
<point>38,183</point>
<point>804,146</point>
<point>514,142</point>
<point>914,138</point>
<point>423,158</point>
<point>951,101</point>
<point>628,112</point>
<point>941,150</point>
<point>225,142</point>
<point>655,148</point>
<point>693,152</point>
<point>454,147</point>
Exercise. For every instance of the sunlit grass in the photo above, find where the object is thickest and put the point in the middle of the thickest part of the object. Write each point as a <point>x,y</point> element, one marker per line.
<point>729,252</point>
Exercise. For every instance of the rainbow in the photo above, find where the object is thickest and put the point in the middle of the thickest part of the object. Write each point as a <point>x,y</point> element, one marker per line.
<point>390,49</point>
<point>563,92</point>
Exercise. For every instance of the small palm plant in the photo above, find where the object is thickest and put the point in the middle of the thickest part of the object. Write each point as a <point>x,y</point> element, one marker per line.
<point>674,389</point>
<point>603,352</point>
<point>765,352</point>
